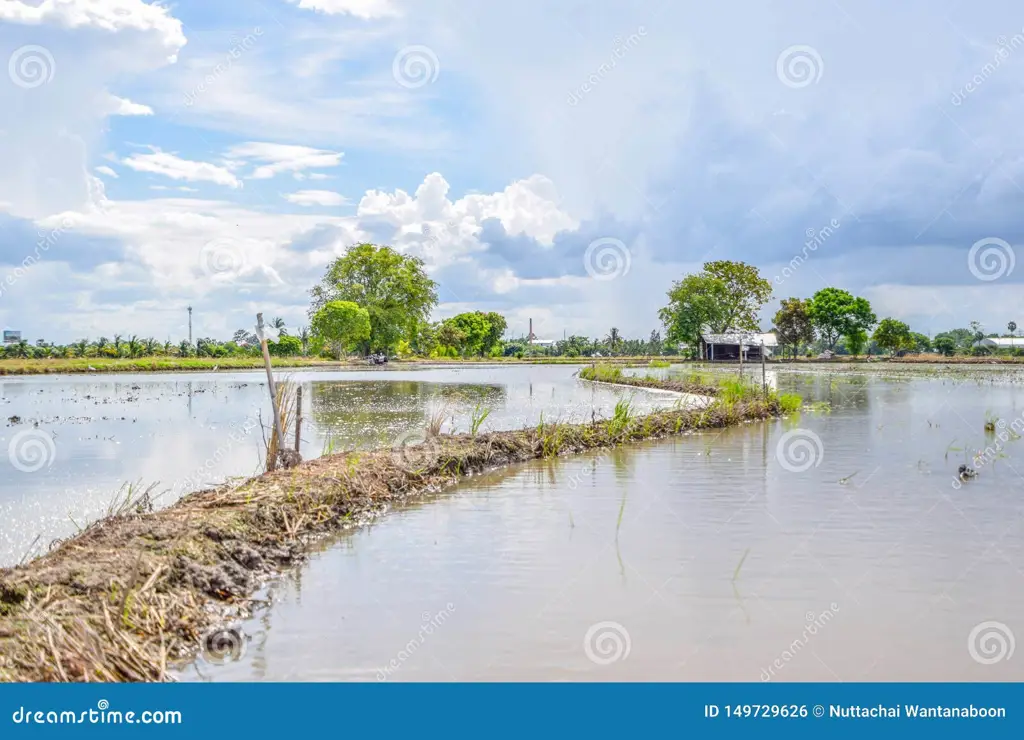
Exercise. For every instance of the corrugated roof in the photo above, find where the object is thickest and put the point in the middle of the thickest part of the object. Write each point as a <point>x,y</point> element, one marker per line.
<point>751,339</point>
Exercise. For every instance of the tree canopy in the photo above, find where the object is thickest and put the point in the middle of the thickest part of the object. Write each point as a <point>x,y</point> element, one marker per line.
<point>793,326</point>
<point>838,313</point>
<point>394,289</point>
<point>723,296</point>
<point>893,335</point>
<point>342,324</point>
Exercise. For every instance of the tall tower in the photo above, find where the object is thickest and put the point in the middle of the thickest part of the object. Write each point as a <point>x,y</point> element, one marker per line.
<point>190,324</point>
<point>531,336</point>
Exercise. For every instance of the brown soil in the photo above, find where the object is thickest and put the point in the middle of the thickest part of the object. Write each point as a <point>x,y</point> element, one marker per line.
<point>136,592</point>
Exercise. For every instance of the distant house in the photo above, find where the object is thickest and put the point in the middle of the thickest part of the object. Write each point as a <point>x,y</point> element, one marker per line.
<point>727,346</point>
<point>1000,342</point>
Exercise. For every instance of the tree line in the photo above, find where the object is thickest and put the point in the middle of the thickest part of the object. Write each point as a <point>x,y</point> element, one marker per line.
<point>373,299</point>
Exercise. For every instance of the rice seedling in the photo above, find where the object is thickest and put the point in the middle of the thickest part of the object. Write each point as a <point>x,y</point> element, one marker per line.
<point>990,421</point>
<point>847,479</point>
<point>739,565</point>
<point>435,420</point>
<point>477,418</point>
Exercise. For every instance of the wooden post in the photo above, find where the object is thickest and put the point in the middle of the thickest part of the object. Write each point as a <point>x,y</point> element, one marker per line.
<point>764,375</point>
<point>271,464</point>
<point>298,417</point>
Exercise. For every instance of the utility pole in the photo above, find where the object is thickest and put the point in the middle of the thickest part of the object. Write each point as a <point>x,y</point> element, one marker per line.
<point>190,326</point>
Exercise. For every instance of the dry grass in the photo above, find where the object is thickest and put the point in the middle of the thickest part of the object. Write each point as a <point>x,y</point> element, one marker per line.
<point>137,591</point>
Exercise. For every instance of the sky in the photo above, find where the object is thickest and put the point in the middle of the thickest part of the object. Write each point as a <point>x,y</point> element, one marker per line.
<point>562,161</point>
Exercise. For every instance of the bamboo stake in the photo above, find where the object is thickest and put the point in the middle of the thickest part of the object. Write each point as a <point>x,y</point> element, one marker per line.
<point>271,464</point>
<point>298,416</point>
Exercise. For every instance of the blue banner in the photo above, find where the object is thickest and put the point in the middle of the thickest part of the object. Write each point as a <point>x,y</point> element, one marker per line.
<point>515,710</point>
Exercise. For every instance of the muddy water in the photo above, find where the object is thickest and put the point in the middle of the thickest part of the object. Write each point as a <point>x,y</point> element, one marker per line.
<point>68,444</point>
<point>835,546</point>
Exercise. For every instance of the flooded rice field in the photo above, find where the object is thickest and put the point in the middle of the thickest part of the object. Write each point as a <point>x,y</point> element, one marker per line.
<point>72,442</point>
<point>839,545</point>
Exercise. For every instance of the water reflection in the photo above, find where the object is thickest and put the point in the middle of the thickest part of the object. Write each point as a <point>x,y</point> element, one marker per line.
<point>706,555</point>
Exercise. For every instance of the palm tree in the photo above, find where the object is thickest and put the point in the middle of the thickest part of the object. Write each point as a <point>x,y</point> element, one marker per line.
<point>167,347</point>
<point>101,344</point>
<point>304,338</point>
<point>134,346</point>
<point>613,339</point>
<point>278,323</point>
<point>151,346</point>
<point>80,347</point>
<point>117,345</point>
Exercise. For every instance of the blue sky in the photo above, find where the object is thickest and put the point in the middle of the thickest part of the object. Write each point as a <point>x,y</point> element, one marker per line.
<point>561,161</point>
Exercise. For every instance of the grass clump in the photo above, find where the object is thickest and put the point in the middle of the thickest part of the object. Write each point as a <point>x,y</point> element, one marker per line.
<point>659,363</point>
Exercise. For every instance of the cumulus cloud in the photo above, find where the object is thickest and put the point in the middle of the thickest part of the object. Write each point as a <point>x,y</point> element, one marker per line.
<point>316,198</point>
<point>365,9</point>
<point>53,108</point>
<point>173,166</point>
<point>277,158</point>
<point>123,107</point>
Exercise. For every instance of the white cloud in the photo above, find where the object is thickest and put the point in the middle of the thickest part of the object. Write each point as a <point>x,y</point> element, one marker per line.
<point>173,166</point>
<point>109,15</point>
<point>528,207</point>
<point>366,9</point>
<point>278,158</point>
<point>104,170</point>
<point>73,53</point>
<point>316,198</point>
<point>123,107</point>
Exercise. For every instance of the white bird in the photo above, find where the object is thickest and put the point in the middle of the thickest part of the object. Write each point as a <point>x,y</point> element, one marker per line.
<point>215,368</point>
<point>91,367</point>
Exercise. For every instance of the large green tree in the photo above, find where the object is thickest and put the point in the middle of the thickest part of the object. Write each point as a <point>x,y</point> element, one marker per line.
<point>793,326</point>
<point>893,335</point>
<point>723,296</point>
<point>342,324</point>
<point>838,313</point>
<point>473,333</point>
<point>394,289</point>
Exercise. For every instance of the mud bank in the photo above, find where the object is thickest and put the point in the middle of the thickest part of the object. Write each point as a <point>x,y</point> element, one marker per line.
<point>141,590</point>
